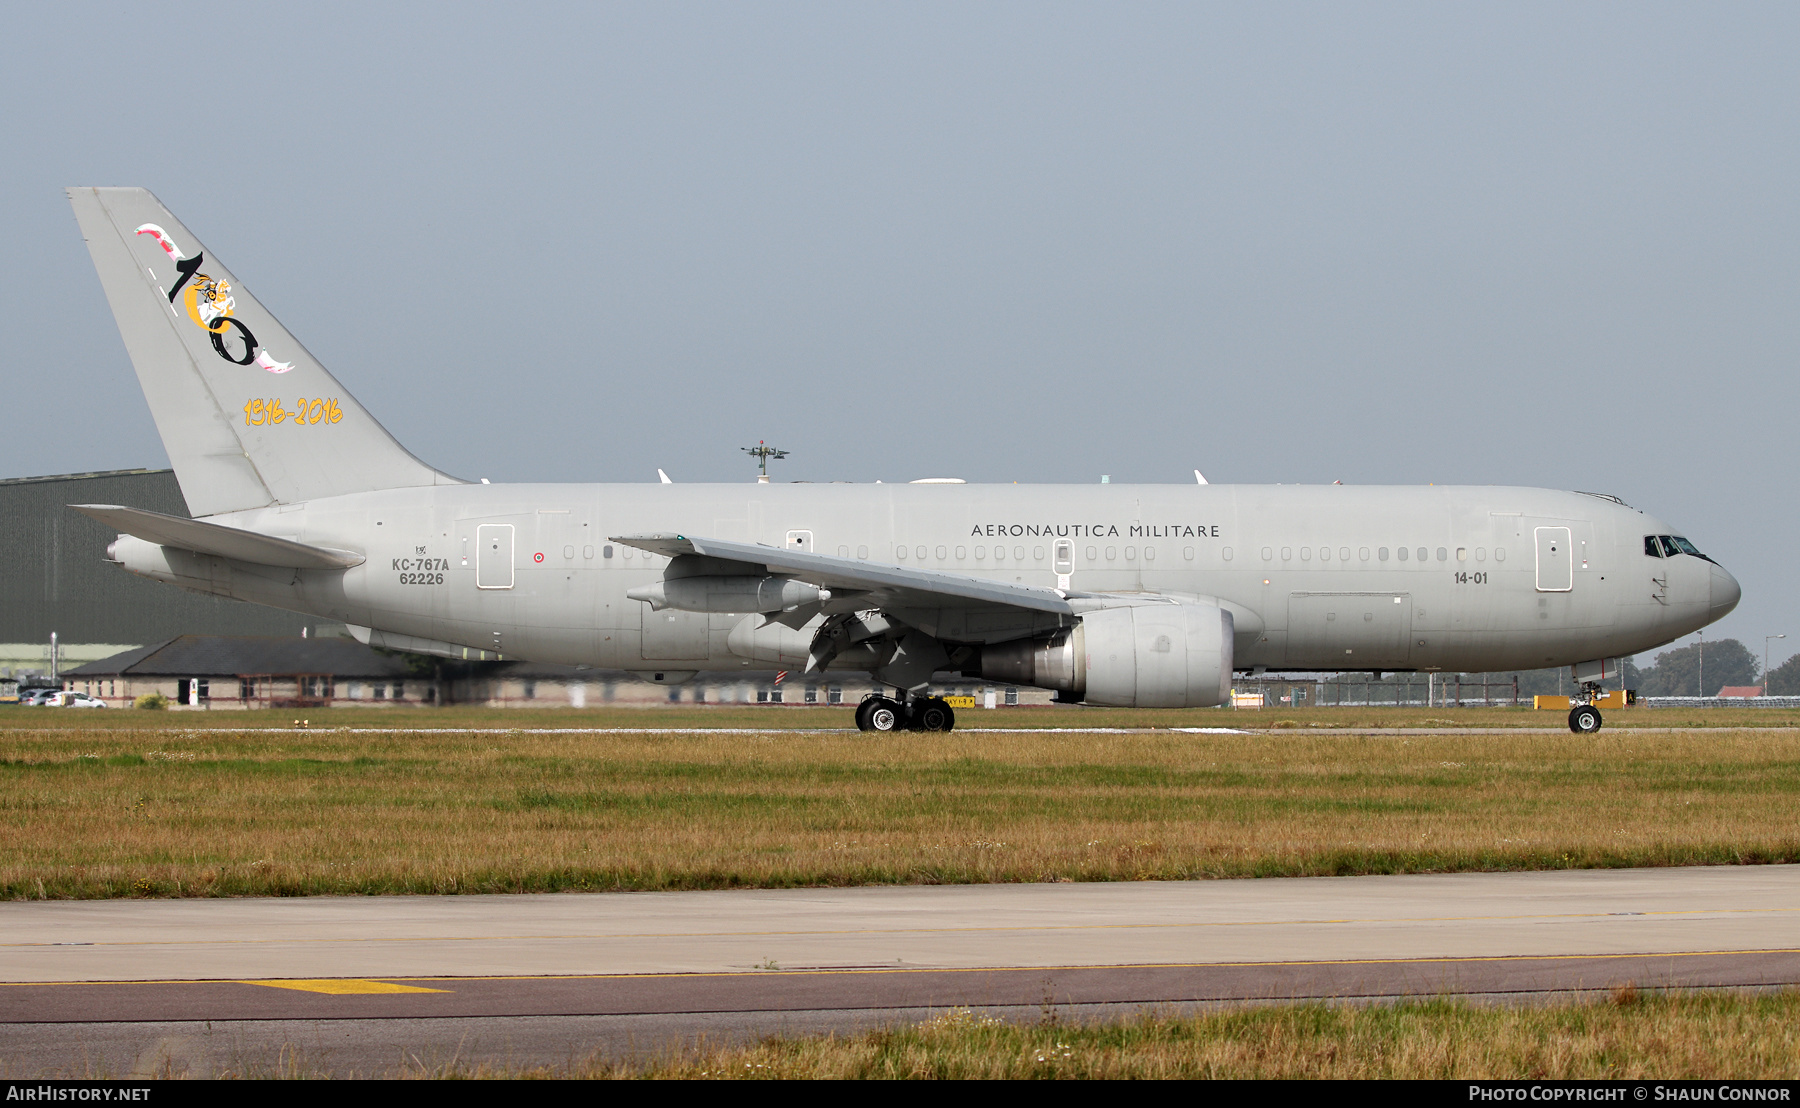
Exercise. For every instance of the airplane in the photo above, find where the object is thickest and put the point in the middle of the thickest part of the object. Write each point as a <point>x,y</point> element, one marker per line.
<point>1148,596</point>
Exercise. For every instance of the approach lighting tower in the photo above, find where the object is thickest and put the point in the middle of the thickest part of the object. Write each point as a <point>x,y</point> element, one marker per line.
<point>762,452</point>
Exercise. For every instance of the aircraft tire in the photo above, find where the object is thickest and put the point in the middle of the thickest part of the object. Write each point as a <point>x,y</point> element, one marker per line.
<point>884,715</point>
<point>862,715</point>
<point>1584,719</point>
<point>934,714</point>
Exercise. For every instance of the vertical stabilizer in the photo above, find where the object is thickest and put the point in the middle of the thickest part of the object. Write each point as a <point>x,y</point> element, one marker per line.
<point>249,418</point>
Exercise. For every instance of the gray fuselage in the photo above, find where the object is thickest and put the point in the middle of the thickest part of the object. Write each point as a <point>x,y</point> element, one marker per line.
<point>1317,577</point>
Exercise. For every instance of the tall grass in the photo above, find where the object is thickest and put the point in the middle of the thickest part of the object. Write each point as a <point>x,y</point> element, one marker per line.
<point>121,812</point>
<point>1627,1037</point>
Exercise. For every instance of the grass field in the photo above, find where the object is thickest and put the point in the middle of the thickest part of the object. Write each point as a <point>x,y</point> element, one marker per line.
<point>1627,1036</point>
<point>145,805</point>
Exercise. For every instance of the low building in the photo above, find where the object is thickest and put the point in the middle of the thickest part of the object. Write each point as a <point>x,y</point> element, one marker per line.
<point>246,671</point>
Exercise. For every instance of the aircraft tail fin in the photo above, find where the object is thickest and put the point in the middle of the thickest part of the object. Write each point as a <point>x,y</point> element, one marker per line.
<point>249,418</point>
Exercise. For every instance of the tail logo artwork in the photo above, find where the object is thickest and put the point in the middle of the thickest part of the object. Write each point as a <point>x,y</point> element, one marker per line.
<point>209,305</point>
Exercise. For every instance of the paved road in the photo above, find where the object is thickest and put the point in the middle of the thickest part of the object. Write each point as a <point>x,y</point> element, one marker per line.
<point>367,984</point>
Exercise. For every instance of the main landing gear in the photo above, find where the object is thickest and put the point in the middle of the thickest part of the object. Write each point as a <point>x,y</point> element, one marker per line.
<point>1584,719</point>
<point>909,713</point>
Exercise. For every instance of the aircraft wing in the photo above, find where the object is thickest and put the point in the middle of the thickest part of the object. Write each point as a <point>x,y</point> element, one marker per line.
<point>212,538</point>
<point>891,586</point>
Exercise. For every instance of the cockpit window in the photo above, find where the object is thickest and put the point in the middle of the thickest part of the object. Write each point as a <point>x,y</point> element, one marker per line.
<point>1670,546</point>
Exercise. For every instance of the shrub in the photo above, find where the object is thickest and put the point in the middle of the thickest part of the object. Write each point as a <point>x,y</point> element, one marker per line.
<point>153,701</point>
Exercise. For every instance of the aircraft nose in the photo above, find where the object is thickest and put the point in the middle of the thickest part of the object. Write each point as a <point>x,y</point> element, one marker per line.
<point>1725,593</point>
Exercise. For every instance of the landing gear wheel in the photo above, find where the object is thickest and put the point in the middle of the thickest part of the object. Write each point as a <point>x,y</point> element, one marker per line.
<point>882,714</point>
<point>862,714</point>
<point>1584,719</point>
<point>934,714</point>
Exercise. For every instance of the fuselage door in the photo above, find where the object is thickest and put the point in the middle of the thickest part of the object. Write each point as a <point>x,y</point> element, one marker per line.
<point>494,556</point>
<point>1555,561</point>
<point>1065,563</point>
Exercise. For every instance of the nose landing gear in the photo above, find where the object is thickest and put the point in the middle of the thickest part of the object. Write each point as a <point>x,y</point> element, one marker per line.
<point>1584,718</point>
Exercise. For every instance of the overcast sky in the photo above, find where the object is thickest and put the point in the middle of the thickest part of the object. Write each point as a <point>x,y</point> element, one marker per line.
<point>1489,244</point>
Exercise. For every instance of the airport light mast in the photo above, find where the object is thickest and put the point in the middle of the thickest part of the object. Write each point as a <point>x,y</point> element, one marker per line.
<point>762,452</point>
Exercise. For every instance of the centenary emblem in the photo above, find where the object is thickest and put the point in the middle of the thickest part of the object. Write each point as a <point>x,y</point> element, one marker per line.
<point>210,306</point>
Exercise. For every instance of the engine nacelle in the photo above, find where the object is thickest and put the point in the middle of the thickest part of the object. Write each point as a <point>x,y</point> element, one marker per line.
<point>1146,656</point>
<point>1158,656</point>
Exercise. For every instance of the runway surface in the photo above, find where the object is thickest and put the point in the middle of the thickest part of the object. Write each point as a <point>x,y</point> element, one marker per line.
<point>369,984</point>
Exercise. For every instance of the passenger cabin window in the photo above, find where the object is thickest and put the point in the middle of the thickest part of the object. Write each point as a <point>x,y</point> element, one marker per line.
<point>1403,553</point>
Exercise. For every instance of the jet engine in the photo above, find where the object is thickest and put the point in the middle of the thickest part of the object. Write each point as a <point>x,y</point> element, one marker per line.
<point>1145,656</point>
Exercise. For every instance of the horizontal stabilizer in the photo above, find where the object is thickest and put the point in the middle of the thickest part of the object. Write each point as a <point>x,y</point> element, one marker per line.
<point>211,538</point>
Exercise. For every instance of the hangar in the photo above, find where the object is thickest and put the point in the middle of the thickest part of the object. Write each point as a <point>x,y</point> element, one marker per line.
<point>57,580</point>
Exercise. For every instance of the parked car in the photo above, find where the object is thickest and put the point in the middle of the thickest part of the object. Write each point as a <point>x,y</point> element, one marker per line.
<point>35,698</point>
<point>73,699</point>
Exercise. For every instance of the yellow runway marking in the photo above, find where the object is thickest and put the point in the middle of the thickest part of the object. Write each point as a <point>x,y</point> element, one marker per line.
<point>342,986</point>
